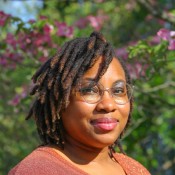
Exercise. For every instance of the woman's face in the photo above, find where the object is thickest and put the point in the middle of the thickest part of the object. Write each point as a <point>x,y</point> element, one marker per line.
<point>97,125</point>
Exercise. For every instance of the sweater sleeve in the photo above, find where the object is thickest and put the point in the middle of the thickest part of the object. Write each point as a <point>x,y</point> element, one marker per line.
<point>131,166</point>
<point>44,161</point>
<point>38,163</point>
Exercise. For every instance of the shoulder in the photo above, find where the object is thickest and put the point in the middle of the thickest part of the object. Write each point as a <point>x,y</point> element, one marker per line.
<point>41,161</point>
<point>131,166</point>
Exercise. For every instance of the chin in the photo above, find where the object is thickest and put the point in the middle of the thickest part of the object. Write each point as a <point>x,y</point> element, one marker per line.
<point>106,141</point>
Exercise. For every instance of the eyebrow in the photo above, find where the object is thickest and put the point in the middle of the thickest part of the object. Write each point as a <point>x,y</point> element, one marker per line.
<point>115,82</point>
<point>119,81</point>
<point>91,79</point>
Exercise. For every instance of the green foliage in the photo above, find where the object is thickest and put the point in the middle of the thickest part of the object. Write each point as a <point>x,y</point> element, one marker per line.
<point>155,105</point>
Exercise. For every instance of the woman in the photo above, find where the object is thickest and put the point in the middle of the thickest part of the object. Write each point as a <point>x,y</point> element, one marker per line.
<point>83,106</point>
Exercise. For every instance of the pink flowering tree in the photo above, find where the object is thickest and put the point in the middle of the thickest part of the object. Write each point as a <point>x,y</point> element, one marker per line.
<point>143,34</point>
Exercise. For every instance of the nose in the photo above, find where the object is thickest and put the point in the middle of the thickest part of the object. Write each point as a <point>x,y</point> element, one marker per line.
<point>106,104</point>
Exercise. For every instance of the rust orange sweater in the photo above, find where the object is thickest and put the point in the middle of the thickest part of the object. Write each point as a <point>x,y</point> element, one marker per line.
<point>45,161</point>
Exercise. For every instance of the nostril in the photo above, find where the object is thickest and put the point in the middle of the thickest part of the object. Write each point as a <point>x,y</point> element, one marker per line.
<point>107,104</point>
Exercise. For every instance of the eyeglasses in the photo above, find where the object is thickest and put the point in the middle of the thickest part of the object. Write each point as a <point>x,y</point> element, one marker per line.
<point>92,92</point>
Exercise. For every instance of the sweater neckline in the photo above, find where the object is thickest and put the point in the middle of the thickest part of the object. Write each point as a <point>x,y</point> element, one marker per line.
<point>54,153</point>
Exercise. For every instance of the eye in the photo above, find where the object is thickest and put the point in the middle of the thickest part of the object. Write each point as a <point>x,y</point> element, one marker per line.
<point>118,91</point>
<point>89,90</point>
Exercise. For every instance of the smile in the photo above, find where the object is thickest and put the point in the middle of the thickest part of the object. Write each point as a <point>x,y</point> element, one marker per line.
<point>105,124</point>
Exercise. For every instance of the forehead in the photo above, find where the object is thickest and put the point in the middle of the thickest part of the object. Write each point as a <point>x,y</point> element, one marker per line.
<point>114,72</point>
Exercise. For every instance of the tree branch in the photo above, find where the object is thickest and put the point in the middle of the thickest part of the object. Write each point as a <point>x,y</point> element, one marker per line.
<point>158,13</point>
<point>159,87</point>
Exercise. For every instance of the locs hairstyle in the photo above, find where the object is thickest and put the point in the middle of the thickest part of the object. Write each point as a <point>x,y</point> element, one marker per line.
<point>55,79</point>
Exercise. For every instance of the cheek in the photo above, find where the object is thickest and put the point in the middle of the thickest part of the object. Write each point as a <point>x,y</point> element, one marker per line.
<point>124,111</point>
<point>76,119</point>
<point>78,110</point>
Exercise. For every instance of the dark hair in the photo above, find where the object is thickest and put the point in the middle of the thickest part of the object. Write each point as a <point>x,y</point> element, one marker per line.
<point>55,78</point>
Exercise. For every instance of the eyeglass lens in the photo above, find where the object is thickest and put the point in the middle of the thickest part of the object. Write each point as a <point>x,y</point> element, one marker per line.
<point>92,92</point>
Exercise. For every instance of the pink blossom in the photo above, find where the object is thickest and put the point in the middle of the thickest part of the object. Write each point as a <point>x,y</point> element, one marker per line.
<point>171,44</point>
<point>164,34</point>
<point>122,53</point>
<point>15,100</point>
<point>3,18</point>
<point>42,17</point>
<point>30,42</point>
<point>38,40</point>
<point>42,39</point>
<point>10,59</point>
<point>19,96</point>
<point>31,21</point>
<point>97,21</point>
<point>169,36</point>
<point>137,70</point>
<point>154,40</point>
<point>47,28</point>
<point>99,1</point>
<point>161,22</point>
<point>172,34</point>
<point>81,23</point>
<point>43,59</point>
<point>23,40</point>
<point>130,6</point>
<point>149,17</point>
<point>3,61</point>
<point>10,39</point>
<point>64,30</point>
<point>16,57</point>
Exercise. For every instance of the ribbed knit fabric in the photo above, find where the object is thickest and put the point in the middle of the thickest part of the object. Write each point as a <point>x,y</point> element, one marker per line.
<point>130,166</point>
<point>46,161</point>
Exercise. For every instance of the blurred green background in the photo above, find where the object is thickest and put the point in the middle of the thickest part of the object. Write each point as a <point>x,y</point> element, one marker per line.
<point>31,31</point>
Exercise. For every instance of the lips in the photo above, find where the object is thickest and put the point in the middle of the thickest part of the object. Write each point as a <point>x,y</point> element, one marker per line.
<point>105,124</point>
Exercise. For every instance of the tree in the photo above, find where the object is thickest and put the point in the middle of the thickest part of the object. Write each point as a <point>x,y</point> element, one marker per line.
<point>135,29</point>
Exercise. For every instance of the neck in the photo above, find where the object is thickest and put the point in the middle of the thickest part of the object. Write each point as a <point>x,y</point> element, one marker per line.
<point>83,154</point>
